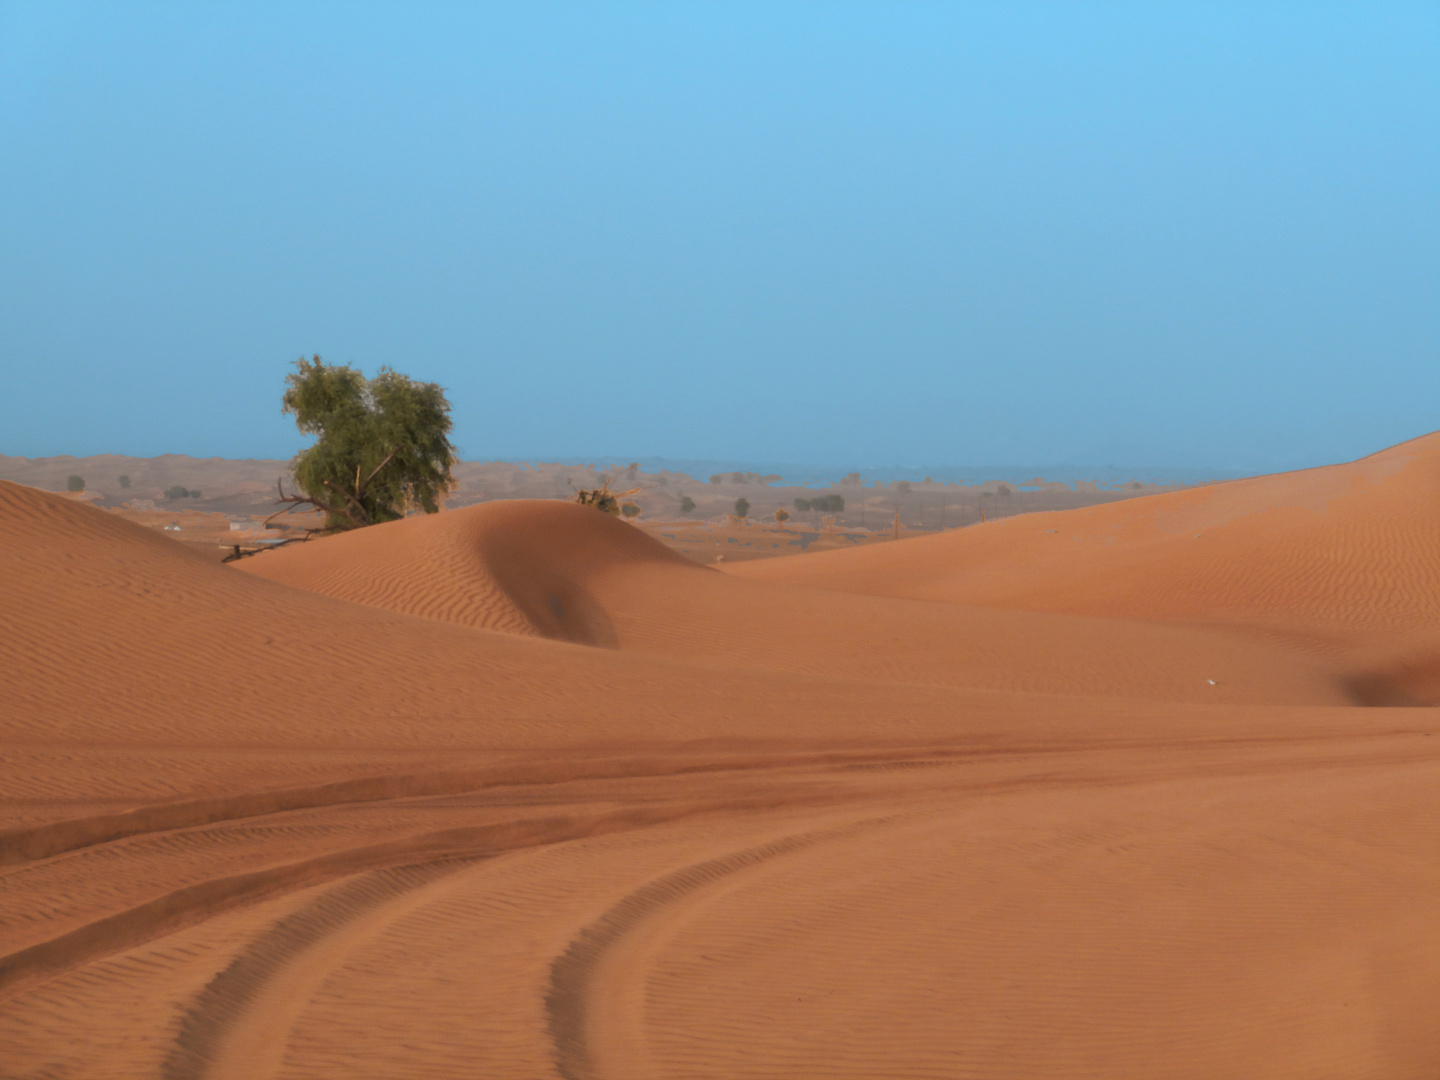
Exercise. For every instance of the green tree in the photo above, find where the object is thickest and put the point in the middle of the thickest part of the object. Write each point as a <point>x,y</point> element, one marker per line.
<point>74,483</point>
<point>742,507</point>
<point>383,444</point>
<point>124,481</point>
<point>686,504</point>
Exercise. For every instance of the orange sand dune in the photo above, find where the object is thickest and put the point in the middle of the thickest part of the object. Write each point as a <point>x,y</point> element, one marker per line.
<point>563,571</point>
<point>515,793</point>
<point>1332,556</point>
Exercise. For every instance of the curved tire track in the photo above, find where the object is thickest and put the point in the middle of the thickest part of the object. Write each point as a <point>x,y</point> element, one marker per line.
<point>225,1000</point>
<point>572,974</point>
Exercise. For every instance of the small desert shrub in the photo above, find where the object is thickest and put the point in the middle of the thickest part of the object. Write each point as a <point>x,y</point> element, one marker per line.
<point>742,507</point>
<point>605,500</point>
<point>686,504</point>
<point>74,483</point>
<point>630,510</point>
<point>124,481</point>
<point>782,515</point>
<point>177,492</point>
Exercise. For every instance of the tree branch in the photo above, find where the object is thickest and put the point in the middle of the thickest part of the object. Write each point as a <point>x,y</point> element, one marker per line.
<point>359,487</point>
<point>301,500</point>
<point>364,518</point>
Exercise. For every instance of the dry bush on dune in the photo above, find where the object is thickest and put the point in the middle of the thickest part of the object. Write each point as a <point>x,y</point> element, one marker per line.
<point>607,501</point>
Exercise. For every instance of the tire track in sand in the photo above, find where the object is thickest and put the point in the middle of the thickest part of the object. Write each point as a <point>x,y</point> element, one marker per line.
<point>238,1024</point>
<point>574,982</point>
<point>196,903</point>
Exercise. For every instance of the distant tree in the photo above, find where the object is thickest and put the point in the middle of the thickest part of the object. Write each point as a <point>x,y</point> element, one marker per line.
<point>687,504</point>
<point>742,507</point>
<point>782,515</point>
<point>903,487</point>
<point>74,483</point>
<point>738,478</point>
<point>828,504</point>
<point>1004,491</point>
<point>383,443</point>
<point>630,509</point>
<point>802,504</point>
<point>716,478</point>
<point>124,481</point>
<point>177,492</point>
<point>194,494</point>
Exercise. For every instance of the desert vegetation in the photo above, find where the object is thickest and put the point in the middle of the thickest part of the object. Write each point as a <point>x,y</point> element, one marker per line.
<point>827,504</point>
<point>382,445</point>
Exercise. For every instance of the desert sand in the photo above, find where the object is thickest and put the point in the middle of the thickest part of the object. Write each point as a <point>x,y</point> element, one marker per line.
<point>1146,789</point>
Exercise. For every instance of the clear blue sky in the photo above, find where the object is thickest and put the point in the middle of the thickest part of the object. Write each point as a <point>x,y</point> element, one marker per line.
<point>1153,233</point>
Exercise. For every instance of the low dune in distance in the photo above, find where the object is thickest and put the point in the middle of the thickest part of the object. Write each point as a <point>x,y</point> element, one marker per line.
<point>516,791</point>
<point>1341,561</point>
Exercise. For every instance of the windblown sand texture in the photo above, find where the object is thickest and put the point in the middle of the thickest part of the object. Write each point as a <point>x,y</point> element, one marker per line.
<point>515,791</point>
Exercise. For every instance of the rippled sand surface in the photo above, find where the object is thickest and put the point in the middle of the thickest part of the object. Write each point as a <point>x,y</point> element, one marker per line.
<point>1149,789</point>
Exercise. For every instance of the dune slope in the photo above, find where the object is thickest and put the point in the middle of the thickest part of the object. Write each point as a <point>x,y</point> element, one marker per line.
<point>1333,556</point>
<point>572,574</point>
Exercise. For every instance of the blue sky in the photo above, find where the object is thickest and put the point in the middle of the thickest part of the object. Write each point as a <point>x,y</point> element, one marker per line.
<point>1201,235</point>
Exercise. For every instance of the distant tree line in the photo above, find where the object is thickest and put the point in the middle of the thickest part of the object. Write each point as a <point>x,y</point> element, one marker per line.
<point>745,478</point>
<point>827,504</point>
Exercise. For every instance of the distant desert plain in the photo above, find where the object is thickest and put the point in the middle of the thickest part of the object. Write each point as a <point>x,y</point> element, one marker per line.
<point>1144,788</point>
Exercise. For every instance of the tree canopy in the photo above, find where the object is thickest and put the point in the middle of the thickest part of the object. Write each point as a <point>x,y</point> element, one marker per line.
<point>383,444</point>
